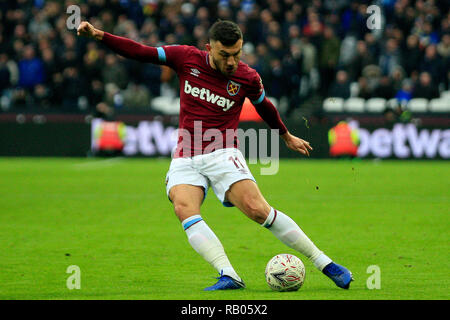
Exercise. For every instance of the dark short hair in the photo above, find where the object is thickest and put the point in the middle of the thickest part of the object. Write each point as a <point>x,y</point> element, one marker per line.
<point>225,31</point>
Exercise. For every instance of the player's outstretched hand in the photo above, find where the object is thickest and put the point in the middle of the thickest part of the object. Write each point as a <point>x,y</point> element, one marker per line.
<point>85,29</point>
<point>297,144</point>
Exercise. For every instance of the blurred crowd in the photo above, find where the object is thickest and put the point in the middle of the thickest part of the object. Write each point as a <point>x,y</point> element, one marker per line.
<point>302,49</point>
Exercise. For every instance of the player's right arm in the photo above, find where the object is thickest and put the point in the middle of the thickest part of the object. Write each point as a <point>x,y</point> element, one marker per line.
<point>171,56</point>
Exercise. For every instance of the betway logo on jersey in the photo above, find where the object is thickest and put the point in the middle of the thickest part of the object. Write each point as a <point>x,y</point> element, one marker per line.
<point>206,95</point>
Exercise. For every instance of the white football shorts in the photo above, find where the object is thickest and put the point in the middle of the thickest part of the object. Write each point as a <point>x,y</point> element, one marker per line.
<point>218,169</point>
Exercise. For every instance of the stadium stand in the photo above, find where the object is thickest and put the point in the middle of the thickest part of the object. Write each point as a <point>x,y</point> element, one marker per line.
<point>298,47</point>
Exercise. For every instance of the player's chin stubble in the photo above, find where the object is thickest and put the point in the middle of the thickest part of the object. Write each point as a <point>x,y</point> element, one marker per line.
<point>223,69</point>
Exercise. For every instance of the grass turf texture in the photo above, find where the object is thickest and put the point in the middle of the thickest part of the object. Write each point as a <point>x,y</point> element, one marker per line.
<point>113,220</point>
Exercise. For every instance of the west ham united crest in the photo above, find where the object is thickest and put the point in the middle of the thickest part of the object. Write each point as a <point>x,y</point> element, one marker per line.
<point>233,88</point>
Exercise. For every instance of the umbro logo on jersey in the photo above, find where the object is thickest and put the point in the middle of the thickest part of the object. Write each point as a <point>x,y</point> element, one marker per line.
<point>205,94</point>
<point>195,72</point>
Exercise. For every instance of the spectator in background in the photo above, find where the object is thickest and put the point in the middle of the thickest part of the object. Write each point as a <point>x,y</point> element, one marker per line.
<point>73,89</point>
<point>103,111</point>
<point>95,92</point>
<point>405,93</point>
<point>328,58</point>
<point>404,16</point>
<point>275,79</point>
<point>309,56</point>
<point>50,63</point>
<point>427,36</point>
<point>182,35</point>
<point>292,72</point>
<point>107,19</point>
<point>432,64</point>
<point>92,62</point>
<point>341,87</point>
<point>150,75</point>
<point>57,91</point>
<point>425,88</point>
<point>412,55</point>
<point>114,72</point>
<point>31,69</point>
<point>39,25</point>
<point>290,20</point>
<point>313,30</point>
<point>20,33</point>
<point>347,51</point>
<point>397,76</point>
<point>447,81</point>
<point>443,48</point>
<point>136,97</point>
<point>390,58</point>
<point>276,48</point>
<point>362,59</point>
<point>41,96</point>
<point>364,90</point>
<point>373,45</point>
<point>385,88</point>
<point>5,75</point>
<point>354,19</point>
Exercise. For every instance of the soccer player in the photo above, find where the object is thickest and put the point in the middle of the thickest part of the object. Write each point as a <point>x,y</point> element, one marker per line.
<point>213,86</point>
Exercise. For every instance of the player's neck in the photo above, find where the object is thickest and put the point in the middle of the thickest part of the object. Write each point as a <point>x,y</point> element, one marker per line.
<point>211,62</point>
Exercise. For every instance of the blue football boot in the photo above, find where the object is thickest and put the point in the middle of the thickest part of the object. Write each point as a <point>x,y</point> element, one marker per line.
<point>226,283</point>
<point>339,274</point>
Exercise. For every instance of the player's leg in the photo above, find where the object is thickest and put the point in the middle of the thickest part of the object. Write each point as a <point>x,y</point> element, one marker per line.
<point>247,197</point>
<point>187,200</point>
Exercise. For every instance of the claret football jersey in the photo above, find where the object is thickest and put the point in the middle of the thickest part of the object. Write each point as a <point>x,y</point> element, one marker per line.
<point>210,103</point>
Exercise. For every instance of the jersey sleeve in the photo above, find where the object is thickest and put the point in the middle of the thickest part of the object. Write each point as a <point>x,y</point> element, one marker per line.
<point>256,91</point>
<point>173,55</point>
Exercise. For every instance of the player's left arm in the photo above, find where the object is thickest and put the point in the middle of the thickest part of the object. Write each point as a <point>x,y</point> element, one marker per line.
<point>267,111</point>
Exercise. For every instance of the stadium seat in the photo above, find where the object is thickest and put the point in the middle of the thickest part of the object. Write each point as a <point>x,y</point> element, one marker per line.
<point>376,105</point>
<point>160,103</point>
<point>417,105</point>
<point>166,105</point>
<point>439,105</point>
<point>354,89</point>
<point>274,101</point>
<point>333,104</point>
<point>354,105</point>
<point>445,95</point>
<point>174,108</point>
<point>392,103</point>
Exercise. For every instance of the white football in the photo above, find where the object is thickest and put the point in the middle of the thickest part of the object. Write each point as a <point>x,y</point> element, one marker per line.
<point>285,272</point>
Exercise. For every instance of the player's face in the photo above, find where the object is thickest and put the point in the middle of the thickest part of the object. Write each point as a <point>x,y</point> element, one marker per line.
<point>225,59</point>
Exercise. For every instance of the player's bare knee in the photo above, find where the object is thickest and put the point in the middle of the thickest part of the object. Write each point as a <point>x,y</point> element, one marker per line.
<point>183,210</point>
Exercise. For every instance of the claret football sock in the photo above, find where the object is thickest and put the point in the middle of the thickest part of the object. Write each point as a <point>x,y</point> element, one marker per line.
<point>288,232</point>
<point>206,243</point>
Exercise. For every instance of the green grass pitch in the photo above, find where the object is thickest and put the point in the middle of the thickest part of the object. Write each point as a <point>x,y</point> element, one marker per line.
<point>113,220</point>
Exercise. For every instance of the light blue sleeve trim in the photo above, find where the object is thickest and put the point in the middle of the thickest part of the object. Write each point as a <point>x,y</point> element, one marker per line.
<point>161,54</point>
<point>260,99</point>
